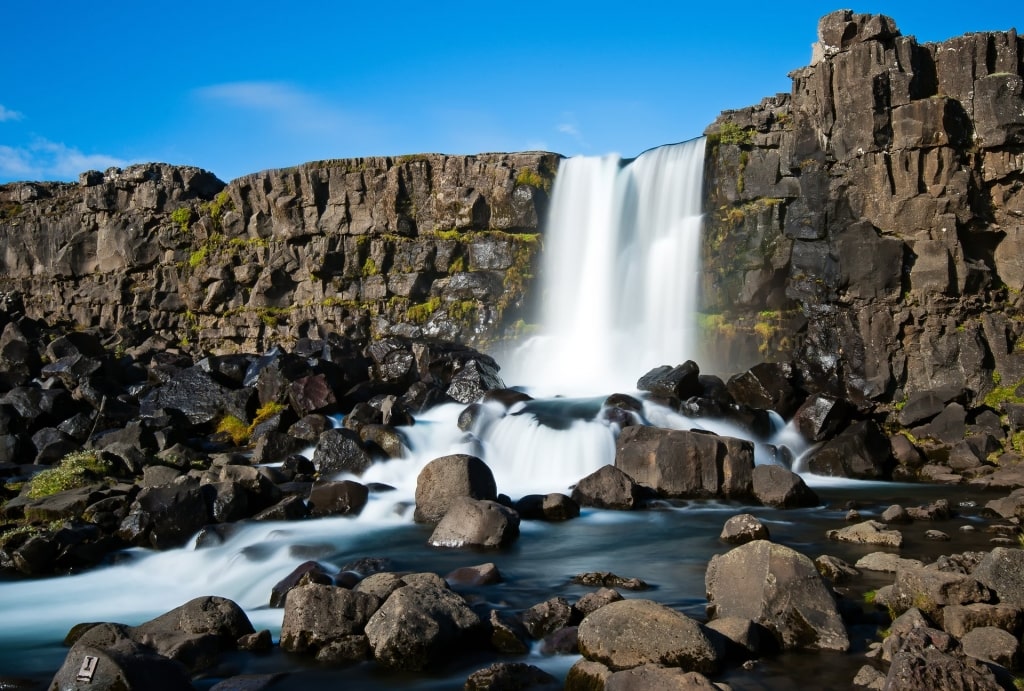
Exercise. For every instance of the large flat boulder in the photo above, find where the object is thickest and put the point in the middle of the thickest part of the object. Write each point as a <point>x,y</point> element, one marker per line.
<point>780,589</point>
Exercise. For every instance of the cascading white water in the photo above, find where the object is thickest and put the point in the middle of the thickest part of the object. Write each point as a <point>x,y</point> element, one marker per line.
<point>619,279</point>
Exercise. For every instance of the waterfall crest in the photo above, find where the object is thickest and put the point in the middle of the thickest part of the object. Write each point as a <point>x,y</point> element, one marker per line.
<point>619,281</point>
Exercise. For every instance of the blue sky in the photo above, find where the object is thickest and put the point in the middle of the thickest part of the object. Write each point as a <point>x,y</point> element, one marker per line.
<point>237,87</point>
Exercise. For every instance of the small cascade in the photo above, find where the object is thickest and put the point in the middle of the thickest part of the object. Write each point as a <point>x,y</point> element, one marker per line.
<point>620,271</point>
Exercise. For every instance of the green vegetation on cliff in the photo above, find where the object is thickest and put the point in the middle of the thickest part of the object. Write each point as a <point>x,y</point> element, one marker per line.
<point>74,470</point>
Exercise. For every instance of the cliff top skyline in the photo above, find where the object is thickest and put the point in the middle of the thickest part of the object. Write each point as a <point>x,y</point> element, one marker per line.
<point>235,88</point>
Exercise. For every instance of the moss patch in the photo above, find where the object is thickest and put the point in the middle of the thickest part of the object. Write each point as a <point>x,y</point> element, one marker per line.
<point>74,470</point>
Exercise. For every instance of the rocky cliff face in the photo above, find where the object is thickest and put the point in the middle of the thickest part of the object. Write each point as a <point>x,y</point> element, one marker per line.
<point>418,245</point>
<point>871,223</point>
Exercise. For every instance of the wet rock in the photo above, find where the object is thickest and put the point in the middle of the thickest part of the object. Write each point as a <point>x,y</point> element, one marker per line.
<point>626,634</point>
<point>929,668</point>
<point>776,486</point>
<point>923,405</point>
<point>508,635</point>
<point>473,379</point>
<point>564,641</point>
<point>446,479</point>
<point>681,381</point>
<point>608,488</point>
<point>383,440</point>
<point>340,451</point>
<point>767,386</point>
<point>196,395</point>
<point>679,463</point>
<point>503,676</point>
<point>476,523</point>
<point>308,571</point>
<point>895,514</point>
<point>421,625</point>
<point>547,507</point>
<point>606,579</point>
<point>780,589</point>
<point>835,570</point>
<point>473,576</point>
<point>547,617</point>
<point>318,615</point>
<point>744,637</point>
<point>822,416</point>
<point>165,516</point>
<point>344,650</point>
<point>861,451</point>
<point>343,498</point>
<point>743,528</point>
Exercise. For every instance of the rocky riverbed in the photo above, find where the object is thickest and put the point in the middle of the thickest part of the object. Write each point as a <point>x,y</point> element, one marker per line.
<point>115,445</point>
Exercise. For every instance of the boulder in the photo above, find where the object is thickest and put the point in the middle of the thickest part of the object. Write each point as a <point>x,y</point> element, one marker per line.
<point>106,657</point>
<point>476,523</point>
<point>993,645</point>
<point>629,633</point>
<point>821,416</point>
<point>344,498</point>
<point>780,589</point>
<point>607,488</point>
<point>165,516</point>
<point>445,479</point>
<point>681,381</point>
<point>511,675</point>
<point>317,615</point>
<point>547,507</point>
<point>861,451</point>
<point>1002,570</point>
<point>508,635</point>
<point>594,601</point>
<point>340,451</point>
<point>196,633</point>
<point>474,576</point>
<point>743,528</point>
<point>547,617</point>
<point>306,572</point>
<point>930,590</point>
<point>767,386</point>
<point>678,463</point>
<point>957,620</point>
<point>420,626</point>
<point>776,486</point>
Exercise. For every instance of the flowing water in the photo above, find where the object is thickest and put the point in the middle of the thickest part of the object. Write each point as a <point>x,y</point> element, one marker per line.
<point>619,285</point>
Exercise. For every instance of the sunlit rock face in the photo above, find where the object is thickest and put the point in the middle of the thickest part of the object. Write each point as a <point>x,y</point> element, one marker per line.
<point>425,245</point>
<point>870,223</point>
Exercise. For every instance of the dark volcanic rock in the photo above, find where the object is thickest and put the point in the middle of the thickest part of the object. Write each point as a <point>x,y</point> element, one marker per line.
<point>782,488</point>
<point>861,451</point>
<point>681,381</point>
<point>476,523</point>
<point>165,516</point>
<point>678,463</point>
<point>338,451</point>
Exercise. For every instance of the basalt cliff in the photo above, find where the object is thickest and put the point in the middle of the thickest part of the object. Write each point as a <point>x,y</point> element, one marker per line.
<point>868,226</point>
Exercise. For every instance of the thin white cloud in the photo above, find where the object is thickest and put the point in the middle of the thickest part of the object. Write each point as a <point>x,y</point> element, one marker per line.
<point>288,106</point>
<point>570,127</point>
<point>9,115</point>
<point>46,160</point>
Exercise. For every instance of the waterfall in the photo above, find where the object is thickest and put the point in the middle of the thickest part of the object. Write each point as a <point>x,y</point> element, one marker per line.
<point>619,279</point>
